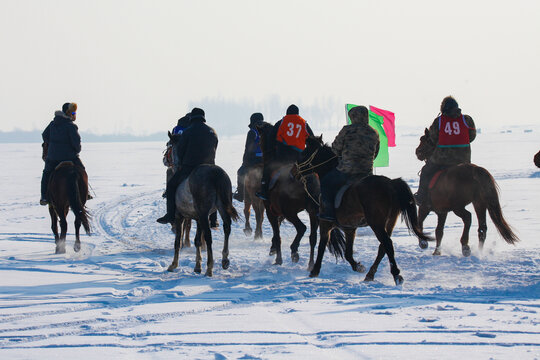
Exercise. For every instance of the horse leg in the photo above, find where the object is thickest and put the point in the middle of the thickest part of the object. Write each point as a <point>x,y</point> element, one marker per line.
<point>386,241</point>
<point>349,244</point>
<point>61,243</point>
<point>179,222</point>
<point>480,210</point>
<point>439,231</point>
<point>226,218</point>
<point>314,226</point>
<point>204,223</point>
<point>247,212</point>
<point>325,228</point>
<point>370,276</point>
<point>423,212</point>
<point>300,231</point>
<point>466,217</point>
<point>54,223</point>
<point>198,257</point>
<point>259,217</point>
<point>77,245</point>
<point>186,228</point>
<point>276,238</point>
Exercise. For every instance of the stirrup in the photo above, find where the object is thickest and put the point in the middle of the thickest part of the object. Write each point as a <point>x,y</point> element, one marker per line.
<point>260,195</point>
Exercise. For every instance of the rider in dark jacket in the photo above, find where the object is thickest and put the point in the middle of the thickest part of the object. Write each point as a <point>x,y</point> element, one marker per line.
<point>290,142</point>
<point>61,142</point>
<point>252,154</point>
<point>197,146</point>
<point>449,151</point>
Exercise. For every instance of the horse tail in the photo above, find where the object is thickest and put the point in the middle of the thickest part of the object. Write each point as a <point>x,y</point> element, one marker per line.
<point>74,197</point>
<point>336,245</point>
<point>489,194</point>
<point>224,193</point>
<point>407,207</point>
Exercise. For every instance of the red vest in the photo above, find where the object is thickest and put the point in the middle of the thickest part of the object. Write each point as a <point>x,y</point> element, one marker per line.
<point>292,132</point>
<point>453,132</point>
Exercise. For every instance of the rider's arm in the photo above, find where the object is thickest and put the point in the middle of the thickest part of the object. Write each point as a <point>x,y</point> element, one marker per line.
<point>472,128</point>
<point>75,138</point>
<point>337,145</point>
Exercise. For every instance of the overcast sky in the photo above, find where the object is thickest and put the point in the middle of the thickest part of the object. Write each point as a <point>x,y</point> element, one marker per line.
<point>137,66</point>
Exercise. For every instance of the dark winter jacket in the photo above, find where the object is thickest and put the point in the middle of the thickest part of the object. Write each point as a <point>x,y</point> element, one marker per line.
<point>451,155</point>
<point>252,150</point>
<point>198,144</point>
<point>63,138</point>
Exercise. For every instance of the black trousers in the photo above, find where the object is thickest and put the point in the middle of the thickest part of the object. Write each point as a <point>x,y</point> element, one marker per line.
<point>50,165</point>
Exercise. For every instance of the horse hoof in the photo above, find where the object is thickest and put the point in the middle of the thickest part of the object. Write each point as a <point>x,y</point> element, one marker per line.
<point>399,280</point>
<point>247,232</point>
<point>171,268</point>
<point>310,267</point>
<point>278,262</point>
<point>208,273</point>
<point>272,252</point>
<point>360,268</point>
<point>437,252</point>
<point>295,257</point>
<point>423,244</point>
<point>77,247</point>
<point>60,250</point>
<point>466,251</point>
<point>369,277</point>
<point>313,274</point>
<point>197,270</point>
<point>225,264</point>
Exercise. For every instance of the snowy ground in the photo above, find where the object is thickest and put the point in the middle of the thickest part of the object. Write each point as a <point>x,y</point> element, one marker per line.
<point>115,299</point>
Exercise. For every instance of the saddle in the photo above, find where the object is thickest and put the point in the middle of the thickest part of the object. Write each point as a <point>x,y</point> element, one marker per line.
<point>435,178</point>
<point>67,163</point>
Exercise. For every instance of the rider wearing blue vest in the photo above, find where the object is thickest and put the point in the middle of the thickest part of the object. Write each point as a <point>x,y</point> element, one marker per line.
<point>252,154</point>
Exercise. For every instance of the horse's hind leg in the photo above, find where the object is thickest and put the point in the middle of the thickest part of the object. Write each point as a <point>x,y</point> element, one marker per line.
<point>439,231</point>
<point>179,222</point>
<point>314,225</point>
<point>370,276</point>
<point>386,242</point>
<point>54,223</point>
<point>247,212</point>
<point>300,231</point>
<point>77,245</point>
<point>259,217</point>
<point>204,224</point>
<point>198,241</point>
<point>186,228</point>
<point>466,217</point>
<point>349,237</point>
<point>61,242</point>
<point>480,210</point>
<point>227,231</point>
<point>276,238</point>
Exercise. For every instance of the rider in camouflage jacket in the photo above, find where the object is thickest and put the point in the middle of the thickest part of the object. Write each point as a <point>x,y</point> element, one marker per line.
<point>356,146</point>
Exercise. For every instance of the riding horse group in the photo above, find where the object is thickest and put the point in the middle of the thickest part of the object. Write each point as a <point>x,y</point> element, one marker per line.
<point>374,201</point>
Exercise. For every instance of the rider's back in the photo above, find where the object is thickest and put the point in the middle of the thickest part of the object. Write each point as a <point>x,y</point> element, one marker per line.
<point>63,138</point>
<point>198,145</point>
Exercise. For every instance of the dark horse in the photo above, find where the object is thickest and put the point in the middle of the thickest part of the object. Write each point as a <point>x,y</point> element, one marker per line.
<point>286,198</point>
<point>537,159</point>
<point>377,199</point>
<point>455,188</point>
<point>68,188</point>
<point>252,183</point>
<point>207,189</point>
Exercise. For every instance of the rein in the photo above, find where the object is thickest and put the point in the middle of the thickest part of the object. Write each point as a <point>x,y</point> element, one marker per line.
<point>307,165</point>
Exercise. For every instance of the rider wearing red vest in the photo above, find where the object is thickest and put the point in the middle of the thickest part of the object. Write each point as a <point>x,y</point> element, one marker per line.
<point>453,133</point>
<point>291,134</point>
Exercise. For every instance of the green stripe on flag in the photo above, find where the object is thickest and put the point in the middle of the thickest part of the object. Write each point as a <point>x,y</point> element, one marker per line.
<point>376,122</point>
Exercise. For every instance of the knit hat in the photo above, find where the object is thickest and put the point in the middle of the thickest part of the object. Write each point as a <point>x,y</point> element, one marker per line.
<point>359,114</point>
<point>293,110</point>
<point>449,104</point>
<point>69,108</point>
<point>256,118</point>
<point>197,113</point>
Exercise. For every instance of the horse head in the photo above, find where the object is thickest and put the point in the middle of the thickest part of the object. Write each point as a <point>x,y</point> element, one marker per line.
<point>316,154</point>
<point>426,147</point>
<point>267,140</point>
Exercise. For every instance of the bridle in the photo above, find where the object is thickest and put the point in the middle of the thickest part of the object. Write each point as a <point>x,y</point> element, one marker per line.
<point>307,165</point>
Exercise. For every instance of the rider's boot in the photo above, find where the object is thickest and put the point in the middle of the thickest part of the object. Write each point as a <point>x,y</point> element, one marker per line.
<point>170,215</point>
<point>327,210</point>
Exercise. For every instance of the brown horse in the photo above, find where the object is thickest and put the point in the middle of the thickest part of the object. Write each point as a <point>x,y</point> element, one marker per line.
<point>376,200</point>
<point>455,188</point>
<point>68,188</point>
<point>252,183</point>
<point>286,198</point>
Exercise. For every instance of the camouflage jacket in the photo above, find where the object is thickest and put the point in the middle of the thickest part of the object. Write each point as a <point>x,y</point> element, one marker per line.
<point>356,145</point>
<point>451,155</point>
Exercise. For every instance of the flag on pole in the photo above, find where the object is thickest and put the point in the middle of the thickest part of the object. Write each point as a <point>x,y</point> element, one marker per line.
<point>388,124</point>
<point>376,122</point>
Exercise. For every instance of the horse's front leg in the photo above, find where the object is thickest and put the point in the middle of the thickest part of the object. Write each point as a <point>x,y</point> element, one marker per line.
<point>480,210</point>
<point>439,231</point>
<point>300,231</point>
<point>370,276</point>
<point>247,212</point>
<point>61,242</point>
<point>276,238</point>
<point>198,245</point>
<point>349,245</point>
<point>388,246</point>
<point>466,217</point>
<point>177,242</point>
<point>423,212</point>
<point>325,228</point>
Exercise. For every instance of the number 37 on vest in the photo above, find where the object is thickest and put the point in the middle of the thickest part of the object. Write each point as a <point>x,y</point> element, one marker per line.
<point>293,132</point>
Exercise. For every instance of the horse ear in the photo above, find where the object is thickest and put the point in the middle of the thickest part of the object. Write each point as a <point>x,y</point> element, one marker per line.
<point>426,131</point>
<point>170,135</point>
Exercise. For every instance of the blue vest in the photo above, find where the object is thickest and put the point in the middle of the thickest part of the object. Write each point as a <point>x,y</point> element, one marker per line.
<point>258,151</point>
